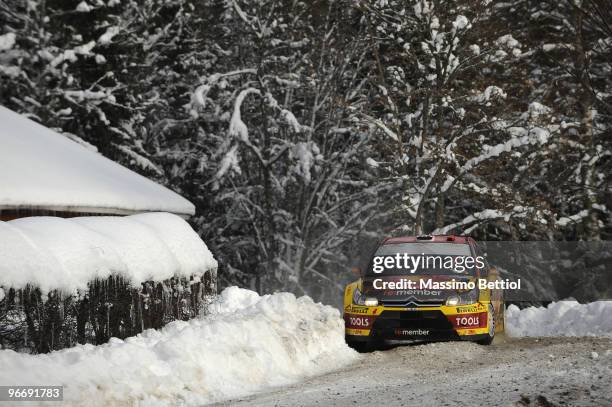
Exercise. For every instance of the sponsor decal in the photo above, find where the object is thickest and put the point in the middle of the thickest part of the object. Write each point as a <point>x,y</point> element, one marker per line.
<point>357,332</point>
<point>411,332</point>
<point>352,321</point>
<point>403,293</point>
<point>477,320</point>
<point>356,310</point>
<point>470,309</point>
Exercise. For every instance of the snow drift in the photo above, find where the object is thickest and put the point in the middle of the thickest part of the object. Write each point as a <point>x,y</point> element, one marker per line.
<point>250,343</point>
<point>564,318</point>
<point>67,254</point>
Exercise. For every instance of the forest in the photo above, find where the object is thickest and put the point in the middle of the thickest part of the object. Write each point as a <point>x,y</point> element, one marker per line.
<point>304,131</point>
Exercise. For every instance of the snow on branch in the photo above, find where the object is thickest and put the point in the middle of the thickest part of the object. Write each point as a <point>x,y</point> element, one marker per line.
<point>243,16</point>
<point>78,96</point>
<point>71,54</point>
<point>566,220</point>
<point>140,160</point>
<point>201,92</point>
<point>483,216</point>
<point>229,162</point>
<point>108,35</point>
<point>489,93</point>
<point>7,41</point>
<point>519,137</point>
<point>286,114</point>
<point>378,123</point>
<point>237,126</point>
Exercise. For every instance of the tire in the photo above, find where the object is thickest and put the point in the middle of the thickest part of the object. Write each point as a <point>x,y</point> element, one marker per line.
<point>491,324</point>
<point>503,321</point>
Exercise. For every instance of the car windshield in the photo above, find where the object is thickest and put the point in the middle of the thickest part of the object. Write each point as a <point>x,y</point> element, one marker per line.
<point>423,258</point>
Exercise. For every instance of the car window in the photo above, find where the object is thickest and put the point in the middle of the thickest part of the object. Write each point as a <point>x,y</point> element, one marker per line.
<point>450,249</point>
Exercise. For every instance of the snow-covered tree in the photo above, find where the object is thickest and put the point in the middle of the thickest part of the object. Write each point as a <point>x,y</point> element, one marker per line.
<point>442,114</point>
<point>285,158</point>
<point>566,68</point>
<point>94,70</point>
<point>299,128</point>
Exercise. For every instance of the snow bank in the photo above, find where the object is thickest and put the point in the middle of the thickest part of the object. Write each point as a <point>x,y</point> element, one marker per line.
<point>249,344</point>
<point>564,318</point>
<point>66,254</point>
<point>44,169</point>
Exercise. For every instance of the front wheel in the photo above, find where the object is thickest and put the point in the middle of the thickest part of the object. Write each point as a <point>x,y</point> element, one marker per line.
<point>503,318</point>
<point>491,324</point>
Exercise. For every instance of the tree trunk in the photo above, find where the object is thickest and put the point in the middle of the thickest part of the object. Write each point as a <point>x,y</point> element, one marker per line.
<point>590,223</point>
<point>440,211</point>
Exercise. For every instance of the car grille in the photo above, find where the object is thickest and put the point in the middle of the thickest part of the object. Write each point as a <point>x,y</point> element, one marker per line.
<point>411,303</point>
<point>439,327</point>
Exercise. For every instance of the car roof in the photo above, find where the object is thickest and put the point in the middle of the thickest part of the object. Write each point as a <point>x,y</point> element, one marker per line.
<point>429,239</point>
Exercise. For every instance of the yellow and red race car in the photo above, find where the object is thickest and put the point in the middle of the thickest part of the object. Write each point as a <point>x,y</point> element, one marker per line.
<point>425,288</point>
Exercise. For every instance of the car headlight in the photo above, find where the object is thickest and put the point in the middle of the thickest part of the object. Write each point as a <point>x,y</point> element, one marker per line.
<point>370,302</point>
<point>360,299</point>
<point>466,298</point>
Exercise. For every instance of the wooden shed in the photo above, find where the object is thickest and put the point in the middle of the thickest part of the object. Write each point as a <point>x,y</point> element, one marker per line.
<point>45,178</point>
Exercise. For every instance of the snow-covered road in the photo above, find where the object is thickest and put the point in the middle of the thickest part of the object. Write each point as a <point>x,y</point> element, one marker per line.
<point>512,372</point>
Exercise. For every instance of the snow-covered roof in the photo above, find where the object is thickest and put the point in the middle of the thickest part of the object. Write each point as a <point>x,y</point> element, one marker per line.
<point>41,169</point>
<point>66,254</point>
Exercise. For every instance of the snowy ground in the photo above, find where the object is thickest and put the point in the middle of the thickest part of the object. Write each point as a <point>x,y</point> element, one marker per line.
<point>570,364</point>
<point>251,344</point>
<point>563,318</point>
<point>541,372</point>
<point>286,351</point>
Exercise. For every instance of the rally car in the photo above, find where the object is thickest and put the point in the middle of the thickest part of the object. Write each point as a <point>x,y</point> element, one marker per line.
<point>406,303</point>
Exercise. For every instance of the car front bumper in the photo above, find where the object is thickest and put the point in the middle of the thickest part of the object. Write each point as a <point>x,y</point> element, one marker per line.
<point>440,323</point>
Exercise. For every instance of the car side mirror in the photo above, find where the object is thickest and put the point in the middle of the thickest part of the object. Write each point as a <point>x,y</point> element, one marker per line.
<point>356,271</point>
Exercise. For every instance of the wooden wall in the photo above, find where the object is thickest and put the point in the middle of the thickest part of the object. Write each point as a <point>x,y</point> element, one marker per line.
<point>10,214</point>
<point>33,322</point>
